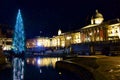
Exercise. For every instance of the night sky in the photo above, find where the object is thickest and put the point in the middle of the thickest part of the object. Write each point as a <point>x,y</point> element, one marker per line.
<point>45,17</point>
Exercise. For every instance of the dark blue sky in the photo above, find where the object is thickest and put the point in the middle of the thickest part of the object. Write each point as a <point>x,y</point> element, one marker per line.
<point>50,15</point>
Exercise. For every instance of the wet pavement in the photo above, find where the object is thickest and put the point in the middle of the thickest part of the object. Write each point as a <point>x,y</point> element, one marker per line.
<point>37,68</point>
<point>101,67</point>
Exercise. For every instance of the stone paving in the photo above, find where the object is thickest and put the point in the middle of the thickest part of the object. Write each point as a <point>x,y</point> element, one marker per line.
<point>102,67</point>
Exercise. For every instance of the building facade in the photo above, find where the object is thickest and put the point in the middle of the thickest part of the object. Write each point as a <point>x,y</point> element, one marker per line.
<point>98,31</point>
<point>38,44</point>
<point>5,37</point>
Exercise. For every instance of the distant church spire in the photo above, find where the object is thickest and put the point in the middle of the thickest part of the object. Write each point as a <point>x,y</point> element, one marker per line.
<point>59,32</point>
<point>96,10</point>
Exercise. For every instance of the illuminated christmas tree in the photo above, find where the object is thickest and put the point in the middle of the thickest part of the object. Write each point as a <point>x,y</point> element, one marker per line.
<point>19,38</point>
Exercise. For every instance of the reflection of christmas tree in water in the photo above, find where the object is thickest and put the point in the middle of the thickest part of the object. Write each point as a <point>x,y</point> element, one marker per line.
<point>18,69</point>
<point>19,39</point>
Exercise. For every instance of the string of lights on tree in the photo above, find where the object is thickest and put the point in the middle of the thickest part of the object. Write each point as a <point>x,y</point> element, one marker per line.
<point>19,37</point>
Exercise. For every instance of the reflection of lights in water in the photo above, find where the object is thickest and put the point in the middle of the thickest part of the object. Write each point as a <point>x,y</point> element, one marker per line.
<point>40,70</point>
<point>22,62</point>
<point>118,65</point>
<point>18,69</point>
<point>27,60</point>
<point>60,73</point>
<point>33,62</point>
<point>47,61</point>
<point>111,70</point>
<point>6,60</point>
<point>34,59</point>
<point>43,61</point>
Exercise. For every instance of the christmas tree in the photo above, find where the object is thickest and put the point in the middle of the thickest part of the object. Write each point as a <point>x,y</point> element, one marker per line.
<point>19,38</point>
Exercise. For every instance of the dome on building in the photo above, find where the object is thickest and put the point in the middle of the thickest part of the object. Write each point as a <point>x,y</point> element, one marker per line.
<point>97,18</point>
<point>97,15</point>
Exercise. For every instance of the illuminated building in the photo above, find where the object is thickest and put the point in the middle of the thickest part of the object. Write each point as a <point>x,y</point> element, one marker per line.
<point>31,43</point>
<point>97,18</point>
<point>92,36</point>
<point>58,41</point>
<point>99,30</point>
<point>43,41</point>
<point>66,39</point>
<point>38,41</point>
<point>5,37</point>
<point>38,44</point>
<point>7,44</point>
